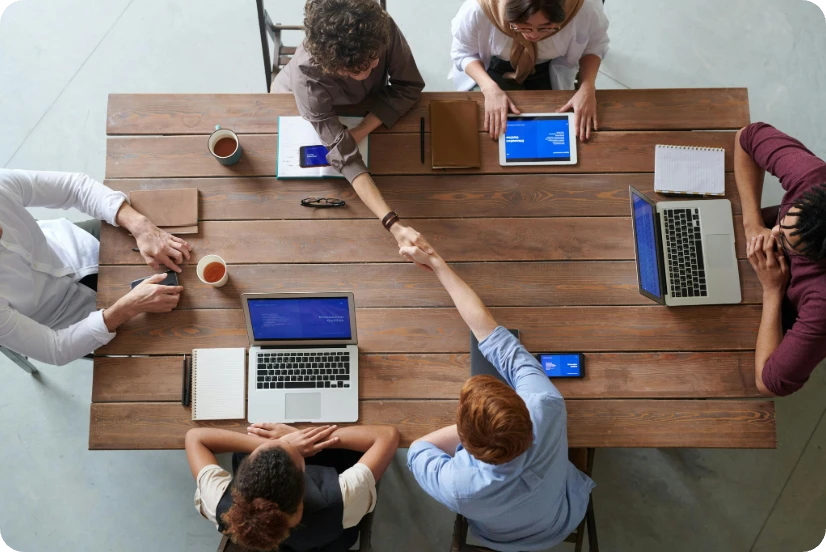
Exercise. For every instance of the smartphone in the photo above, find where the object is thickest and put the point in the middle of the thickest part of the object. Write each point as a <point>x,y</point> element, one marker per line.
<point>312,156</point>
<point>562,365</point>
<point>170,280</point>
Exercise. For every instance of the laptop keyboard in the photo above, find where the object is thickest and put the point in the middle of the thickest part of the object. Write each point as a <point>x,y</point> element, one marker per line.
<point>313,370</point>
<point>684,246</point>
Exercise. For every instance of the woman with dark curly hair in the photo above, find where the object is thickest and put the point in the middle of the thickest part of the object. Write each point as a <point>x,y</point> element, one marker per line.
<point>353,53</point>
<point>279,501</point>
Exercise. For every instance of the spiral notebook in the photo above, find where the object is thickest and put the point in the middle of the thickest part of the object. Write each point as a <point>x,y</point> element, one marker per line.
<point>218,386</point>
<point>689,170</point>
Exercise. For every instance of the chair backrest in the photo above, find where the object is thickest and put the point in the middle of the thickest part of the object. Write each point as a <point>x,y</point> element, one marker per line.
<point>276,55</point>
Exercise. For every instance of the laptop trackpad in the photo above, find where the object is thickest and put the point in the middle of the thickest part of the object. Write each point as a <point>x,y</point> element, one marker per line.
<point>303,406</point>
<point>718,250</point>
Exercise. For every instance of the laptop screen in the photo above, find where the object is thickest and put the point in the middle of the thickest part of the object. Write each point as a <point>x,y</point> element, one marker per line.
<point>297,319</point>
<point>646,244</point>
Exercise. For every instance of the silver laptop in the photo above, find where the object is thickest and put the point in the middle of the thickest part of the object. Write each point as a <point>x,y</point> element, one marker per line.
<point>685,251</point>
<point>303,362</point>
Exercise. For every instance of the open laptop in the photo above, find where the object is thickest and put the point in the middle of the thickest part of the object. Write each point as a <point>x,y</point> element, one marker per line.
<point>303,361</point>
<point>685,251</point>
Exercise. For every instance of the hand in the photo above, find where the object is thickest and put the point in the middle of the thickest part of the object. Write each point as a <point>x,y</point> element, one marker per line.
<point>754,231</point>
<point>408,236</point>
<point>769,263</point>
<point>312,440</point>
<point>159,247</point>
<point>584,104</point>
<point>148,296</point>
<point>497,104</point>
<point>419,257</point>
<point>270,431</point>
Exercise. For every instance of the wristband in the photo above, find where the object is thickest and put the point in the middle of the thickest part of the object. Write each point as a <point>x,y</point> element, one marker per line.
<point>389,220</point>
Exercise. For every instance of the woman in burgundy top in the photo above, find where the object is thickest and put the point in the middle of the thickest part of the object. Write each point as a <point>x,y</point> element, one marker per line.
<point>787,248</point>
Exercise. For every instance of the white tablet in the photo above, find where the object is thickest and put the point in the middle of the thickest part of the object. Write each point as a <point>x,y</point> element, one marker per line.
<point>538,139</point>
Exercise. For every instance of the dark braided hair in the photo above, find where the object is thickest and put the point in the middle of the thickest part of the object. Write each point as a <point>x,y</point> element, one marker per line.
<point>811,223</point>
<point>267,491</point>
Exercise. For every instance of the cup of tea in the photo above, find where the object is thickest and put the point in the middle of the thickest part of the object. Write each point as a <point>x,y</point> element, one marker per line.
<point>212,270</point>
<point>224,146</point>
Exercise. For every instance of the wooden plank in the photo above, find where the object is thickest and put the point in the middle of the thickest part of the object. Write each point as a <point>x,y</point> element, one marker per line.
<point>521,284</point>
<point>441,376</point>
<point>390,154</point>
<point>435,196</point>
<point>663,109</point>
<point>599,423</point>
<point>341,241</point>
<point>441,330</point>
<point>120,379</point>
<point>365,241</point>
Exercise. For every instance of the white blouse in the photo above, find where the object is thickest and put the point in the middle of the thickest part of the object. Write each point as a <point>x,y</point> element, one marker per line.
<point>476,38</point>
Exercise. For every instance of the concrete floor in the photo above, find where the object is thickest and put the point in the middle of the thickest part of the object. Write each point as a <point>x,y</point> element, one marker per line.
<point>60,58</point>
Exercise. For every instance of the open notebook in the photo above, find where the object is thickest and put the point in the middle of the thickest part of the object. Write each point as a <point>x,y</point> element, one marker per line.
<point>295,133</point>
<point>689,170</point>
<point>218,386</point>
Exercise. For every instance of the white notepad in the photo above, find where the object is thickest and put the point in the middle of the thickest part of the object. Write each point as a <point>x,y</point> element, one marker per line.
<point>218,386</point>
<point>295,132</point>
<point>689,170</point>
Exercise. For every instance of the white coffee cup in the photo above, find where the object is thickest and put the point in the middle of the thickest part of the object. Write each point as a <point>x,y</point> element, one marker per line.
<point>206,261</point>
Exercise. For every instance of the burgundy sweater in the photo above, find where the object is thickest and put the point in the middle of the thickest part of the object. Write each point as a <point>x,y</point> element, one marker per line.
<point>804,344</point>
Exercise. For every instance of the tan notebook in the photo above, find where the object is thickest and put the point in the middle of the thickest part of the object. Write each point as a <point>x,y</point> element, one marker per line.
<point>454,134</point>
<point>175,211</point>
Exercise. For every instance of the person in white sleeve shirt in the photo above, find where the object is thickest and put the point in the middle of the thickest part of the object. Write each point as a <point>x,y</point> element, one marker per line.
<point>503,45</point>
<point>293,490</point>
<point>48,269</point>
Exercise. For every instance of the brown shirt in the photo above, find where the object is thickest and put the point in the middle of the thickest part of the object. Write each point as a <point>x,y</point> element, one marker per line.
<point>389,92</point>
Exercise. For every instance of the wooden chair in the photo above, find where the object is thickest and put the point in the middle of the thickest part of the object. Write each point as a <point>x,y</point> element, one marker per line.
<point>20,360</point>
<point>365,534</point>
<point>281,55</point>
<point>583,459</point>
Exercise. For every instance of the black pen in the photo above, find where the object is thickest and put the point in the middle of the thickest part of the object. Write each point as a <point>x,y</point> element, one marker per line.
<point>421,139</point>
<point>183,385</point>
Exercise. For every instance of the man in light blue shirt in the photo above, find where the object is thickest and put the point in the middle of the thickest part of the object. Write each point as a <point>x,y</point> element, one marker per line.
<point>505,465</point>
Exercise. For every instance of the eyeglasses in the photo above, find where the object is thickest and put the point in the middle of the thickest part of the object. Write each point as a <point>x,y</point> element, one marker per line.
<point>525,29</point>
<point>784,243</point>
<point>322,202</point>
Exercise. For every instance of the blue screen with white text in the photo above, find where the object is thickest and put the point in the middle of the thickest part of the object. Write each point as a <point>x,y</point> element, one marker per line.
<point>560,366</point>
<point>646,236</point>
<point>533,139</point>
<point>304,318</point>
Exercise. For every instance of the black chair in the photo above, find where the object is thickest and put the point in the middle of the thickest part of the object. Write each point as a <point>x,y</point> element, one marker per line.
<point>583,459</point>
<point>276,55</point>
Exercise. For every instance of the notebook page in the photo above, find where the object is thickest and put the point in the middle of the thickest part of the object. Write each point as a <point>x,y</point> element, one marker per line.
<point>689,170</point>
<point>295,132</point>
<point>218,386</point>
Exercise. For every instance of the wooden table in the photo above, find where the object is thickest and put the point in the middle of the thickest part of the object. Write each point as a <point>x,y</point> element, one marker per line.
<point>549,249</point>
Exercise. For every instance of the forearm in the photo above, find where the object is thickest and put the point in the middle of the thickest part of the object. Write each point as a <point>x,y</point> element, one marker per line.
<point>378,443</point>
<point>588,70</point>
<point>119,313</point>
<point>370,123</point>
<point>130,219</point>
<point>476,71</point>
<point>370,195</point>
<point>470,307</point>
<point>447,439</point>
<point>769,335</point>
<point>749,179</point>
<point>202,444</point>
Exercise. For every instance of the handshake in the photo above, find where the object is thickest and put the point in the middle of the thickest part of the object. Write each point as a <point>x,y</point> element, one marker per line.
<point>419,252</point>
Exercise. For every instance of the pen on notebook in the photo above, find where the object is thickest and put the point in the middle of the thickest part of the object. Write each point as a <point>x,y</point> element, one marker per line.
<point>421,139</point>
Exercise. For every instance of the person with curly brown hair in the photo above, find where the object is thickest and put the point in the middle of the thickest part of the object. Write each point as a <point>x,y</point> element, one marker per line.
<point>353,53</point>
<point>279,500</point>
<point>504,464</point>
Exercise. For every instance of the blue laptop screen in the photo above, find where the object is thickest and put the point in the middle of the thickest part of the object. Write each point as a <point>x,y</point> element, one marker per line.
<point>646,239</point>
<point>308,318</point>
<point>534,139</point>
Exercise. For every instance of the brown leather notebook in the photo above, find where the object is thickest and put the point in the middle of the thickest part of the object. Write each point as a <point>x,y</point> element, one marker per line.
<point>454,134</point>
<point>175,211</point>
